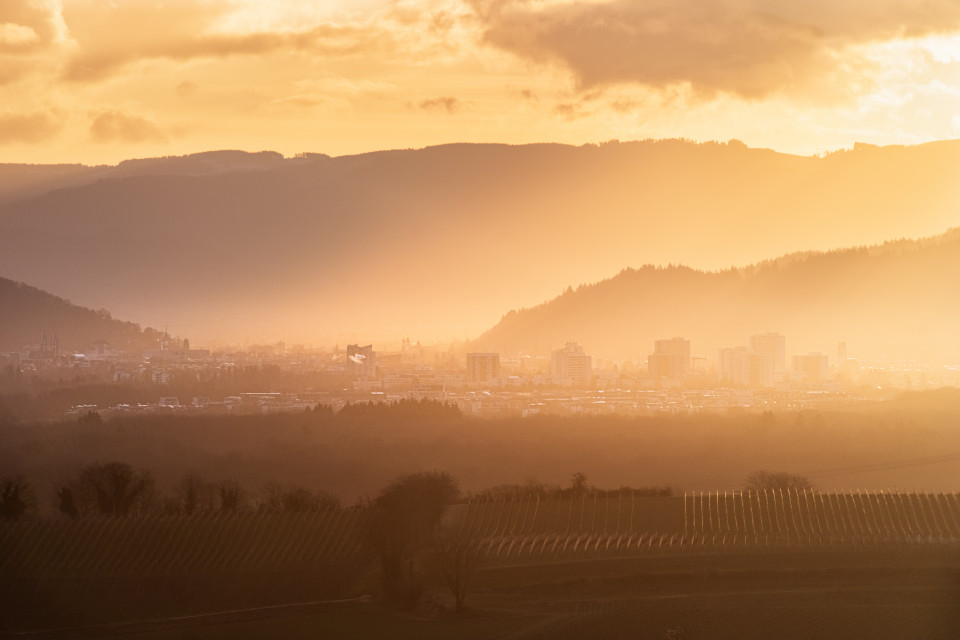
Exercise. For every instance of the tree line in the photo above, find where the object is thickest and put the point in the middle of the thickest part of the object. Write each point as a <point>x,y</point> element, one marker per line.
<point>406,533</point>
<point>118,490</point>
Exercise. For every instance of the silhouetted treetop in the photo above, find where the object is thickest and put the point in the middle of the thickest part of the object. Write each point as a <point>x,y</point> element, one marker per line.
<point>764,480</point>
<point>16,497</point>
<point>404,409</point>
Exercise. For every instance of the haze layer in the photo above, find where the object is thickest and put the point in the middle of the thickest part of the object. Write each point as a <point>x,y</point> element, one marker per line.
<point>438,243</point>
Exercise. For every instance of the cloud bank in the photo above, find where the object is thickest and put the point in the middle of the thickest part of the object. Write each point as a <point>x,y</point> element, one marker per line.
<point>750,48</point>
<point>27,127</point>
<point>183,30</point>
<point>111,126</point>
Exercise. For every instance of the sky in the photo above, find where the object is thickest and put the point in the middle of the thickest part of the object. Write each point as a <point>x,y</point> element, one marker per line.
<point>99,81</point>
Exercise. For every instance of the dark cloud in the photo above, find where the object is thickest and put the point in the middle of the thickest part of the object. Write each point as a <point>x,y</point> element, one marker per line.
<point>114,126</point>
<point>186,88</point>
<point>447,103</point>
<point>27,127</point>
<point>570,110</point>
<point>747,47</point>
<point>529,95</point>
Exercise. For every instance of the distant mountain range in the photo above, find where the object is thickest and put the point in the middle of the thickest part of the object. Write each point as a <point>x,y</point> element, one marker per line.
<point>27,315</point>
<point>19,181</point>
<point>435,243</point>
<point>900,299</point>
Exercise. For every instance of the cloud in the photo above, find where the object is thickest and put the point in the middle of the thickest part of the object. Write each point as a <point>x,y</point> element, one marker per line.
<point>529,95</point>
<point>32,36</point>
<point>11,71</point>
<point>27,127</point>
<point>29,25</point>
<point>110,37</point>
<point>113,126</point>
<point>332,94</point>
<point>13,36</point>
<point>448,103</point>
<point>744,47</point>
<point>300,101</point>
<point>327,40</point>
<point>570,110</point>
<point>186,88</point>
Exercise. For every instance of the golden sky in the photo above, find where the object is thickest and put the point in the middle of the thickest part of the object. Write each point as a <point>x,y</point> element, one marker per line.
<point>97,81</point>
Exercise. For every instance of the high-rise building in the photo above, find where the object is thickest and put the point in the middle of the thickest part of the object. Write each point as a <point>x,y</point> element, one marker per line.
<point>483,367</point>
<point>772,346</point>
<point>362,361</point>
<point>772,350</point>
<point>570,366</point>
<point>814,366</point>
<point>670,359</point>
<point>739,365</point>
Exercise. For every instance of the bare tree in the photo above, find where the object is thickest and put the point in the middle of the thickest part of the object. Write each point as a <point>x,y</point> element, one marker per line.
<point>764,479</point>
<point>114,489</point>
<point>67,502</point>
<point>456,555</point>
<point>16,497</point>
<point>403,519</point>
<point>230,496</point>
<point>578,484</point>
<point>294,499</point>
<point>194,495</point>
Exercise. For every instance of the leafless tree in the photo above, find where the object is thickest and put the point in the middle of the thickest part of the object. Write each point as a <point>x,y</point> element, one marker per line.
<point>456,555</point>
<point>403,519</point>
<point>114,489</point>
<point>773,480</point>
<point>295,499</point>
<point>230,496</point>
<point>16,497</point>
<point>194,495</point>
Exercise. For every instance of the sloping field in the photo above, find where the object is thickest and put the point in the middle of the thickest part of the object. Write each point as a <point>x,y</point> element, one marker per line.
<point>74,572</point>
<point>178,546</point>
<point>65,573</point>
<point>536,528</point>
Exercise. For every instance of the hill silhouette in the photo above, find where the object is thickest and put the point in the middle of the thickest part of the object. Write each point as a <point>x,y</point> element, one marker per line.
<point>435,243</point>
<point>18,181</point>
<point>27,313</point>
<point>897,299</point>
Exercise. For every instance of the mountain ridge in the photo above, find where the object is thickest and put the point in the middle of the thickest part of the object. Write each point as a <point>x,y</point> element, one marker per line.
<point>898,297</point>
<point>434,243</point>
<point>28,313</point>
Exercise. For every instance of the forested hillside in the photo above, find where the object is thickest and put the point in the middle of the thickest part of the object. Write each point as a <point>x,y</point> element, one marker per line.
<point>898,299</point>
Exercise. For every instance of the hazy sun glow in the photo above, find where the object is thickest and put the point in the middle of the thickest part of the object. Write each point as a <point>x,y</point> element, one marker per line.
<point>92,81</point>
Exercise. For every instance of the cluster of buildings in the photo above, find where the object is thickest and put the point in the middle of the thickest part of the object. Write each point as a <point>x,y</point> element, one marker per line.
<point>48,358</point>
<point>761,363</point>
<point>569,367</point>
<point>764,363</point>
<point>569,380</point>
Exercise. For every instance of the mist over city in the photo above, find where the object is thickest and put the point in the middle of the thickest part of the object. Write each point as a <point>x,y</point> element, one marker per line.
<point>479,319</point>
